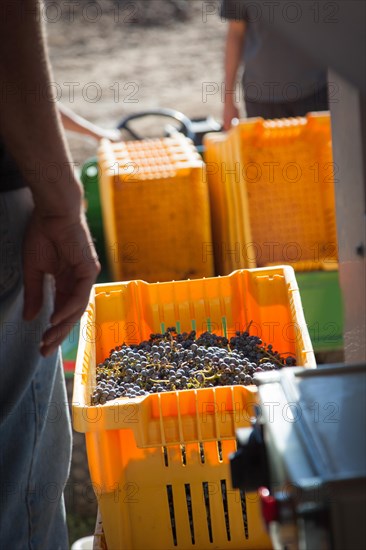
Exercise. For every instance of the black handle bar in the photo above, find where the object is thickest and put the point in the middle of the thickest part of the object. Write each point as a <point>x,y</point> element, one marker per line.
<point>185,123</point>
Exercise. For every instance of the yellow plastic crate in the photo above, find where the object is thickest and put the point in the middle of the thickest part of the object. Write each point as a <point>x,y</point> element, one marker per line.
<point>231,228</point>
<point>148,455</point>
<point>155,207</point>
<point>277,177</point>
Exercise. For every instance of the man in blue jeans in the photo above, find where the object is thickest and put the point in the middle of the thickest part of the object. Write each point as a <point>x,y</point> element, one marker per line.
<point>48,265</point>
<point>279,80</point>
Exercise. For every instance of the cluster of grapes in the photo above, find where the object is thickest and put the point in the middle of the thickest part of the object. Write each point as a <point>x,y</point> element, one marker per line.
<point>171,361</point>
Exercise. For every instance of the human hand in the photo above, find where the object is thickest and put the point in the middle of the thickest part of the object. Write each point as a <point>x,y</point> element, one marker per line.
<point>62,246</point>
<point>112,134</point>
<point>230,111</point>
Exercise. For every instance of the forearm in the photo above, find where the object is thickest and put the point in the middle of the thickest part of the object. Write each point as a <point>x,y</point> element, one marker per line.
<point>29,121</point>
<point>233,55</point>
<point>75,123</point>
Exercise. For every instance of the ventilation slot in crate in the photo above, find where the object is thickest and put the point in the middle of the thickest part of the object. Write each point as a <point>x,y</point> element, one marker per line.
<point>169,490</point>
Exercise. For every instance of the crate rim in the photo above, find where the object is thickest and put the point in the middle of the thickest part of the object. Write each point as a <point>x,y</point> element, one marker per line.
<point>116,284</point>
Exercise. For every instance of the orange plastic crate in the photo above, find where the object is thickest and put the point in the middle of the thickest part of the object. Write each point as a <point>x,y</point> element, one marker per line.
<point>277,179</point>
<point>155,209</point>
<point>229,205</point>
<point>147,455</point>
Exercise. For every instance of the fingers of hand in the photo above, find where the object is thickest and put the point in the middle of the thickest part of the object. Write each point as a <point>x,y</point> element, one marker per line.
<point>56,334</point>
<point>76,301</point>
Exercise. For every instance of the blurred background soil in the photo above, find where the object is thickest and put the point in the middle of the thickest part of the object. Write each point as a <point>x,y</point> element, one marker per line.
<point>113,58</point>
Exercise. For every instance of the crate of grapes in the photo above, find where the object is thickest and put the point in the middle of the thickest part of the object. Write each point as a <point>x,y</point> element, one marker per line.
<point>163,379</point>
<point>277,202</point>
<point>155,207</point>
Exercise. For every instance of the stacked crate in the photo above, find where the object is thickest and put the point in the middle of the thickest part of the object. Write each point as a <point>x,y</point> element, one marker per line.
<point>228,203</point>
<point>271,185</point>
<point>155,207</point>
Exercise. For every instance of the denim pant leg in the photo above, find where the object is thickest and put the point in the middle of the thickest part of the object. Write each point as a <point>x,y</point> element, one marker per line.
<point>35,428</point>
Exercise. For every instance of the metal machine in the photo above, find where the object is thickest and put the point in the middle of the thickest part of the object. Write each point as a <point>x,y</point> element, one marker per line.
<point>306,457</point>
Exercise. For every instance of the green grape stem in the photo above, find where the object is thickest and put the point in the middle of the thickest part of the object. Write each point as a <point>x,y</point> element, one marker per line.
<point>158,381</point>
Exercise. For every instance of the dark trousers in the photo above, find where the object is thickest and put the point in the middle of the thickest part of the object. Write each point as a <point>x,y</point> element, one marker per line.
<point>300,107</point>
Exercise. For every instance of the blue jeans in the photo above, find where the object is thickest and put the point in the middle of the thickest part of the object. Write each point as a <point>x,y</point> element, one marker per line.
<point>35,431</point>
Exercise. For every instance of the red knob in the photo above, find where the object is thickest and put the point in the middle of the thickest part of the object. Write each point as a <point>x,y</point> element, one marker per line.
<point>269,505</point>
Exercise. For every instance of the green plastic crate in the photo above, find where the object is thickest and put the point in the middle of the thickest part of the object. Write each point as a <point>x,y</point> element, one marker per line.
<point>323,308</point>
<point>89,178</point>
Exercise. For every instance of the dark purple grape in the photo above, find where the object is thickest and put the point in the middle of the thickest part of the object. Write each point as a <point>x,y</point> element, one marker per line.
<point>171,361</point>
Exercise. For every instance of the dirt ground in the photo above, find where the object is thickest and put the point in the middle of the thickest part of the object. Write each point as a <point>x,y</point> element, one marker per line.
<point>113,58</point>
